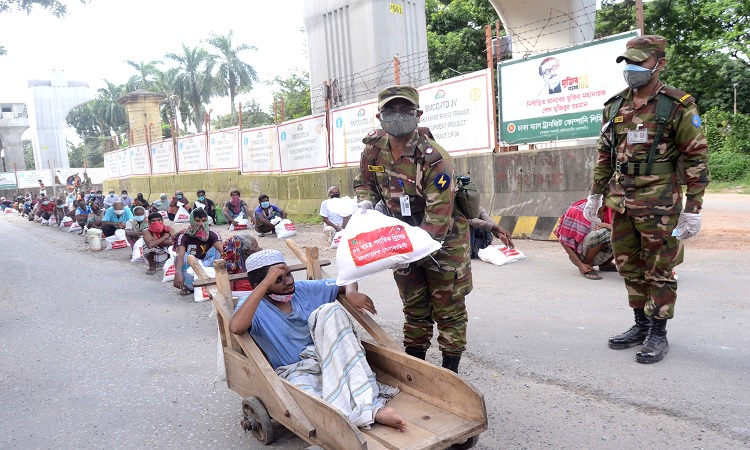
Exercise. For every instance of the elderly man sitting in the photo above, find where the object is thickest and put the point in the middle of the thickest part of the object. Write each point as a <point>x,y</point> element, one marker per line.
<point>196,240</point>
<point>158,239</point>
<point>160,205</point>
<point>587,245</point>
<point>332,222</point>
<point>111,198</point>
<point>115,217</point>
<point>134,227</point>
<point>310,341</point>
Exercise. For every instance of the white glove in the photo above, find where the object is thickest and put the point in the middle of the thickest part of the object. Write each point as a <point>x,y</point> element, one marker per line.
<point>590,211</point>
<point>688,225</point>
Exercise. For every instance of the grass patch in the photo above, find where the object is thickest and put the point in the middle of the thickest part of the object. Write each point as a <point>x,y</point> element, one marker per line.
<point>733,187</point>
<point>309,219</point>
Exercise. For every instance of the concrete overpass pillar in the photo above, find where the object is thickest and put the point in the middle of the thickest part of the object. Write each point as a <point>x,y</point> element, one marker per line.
<point>11,131</point>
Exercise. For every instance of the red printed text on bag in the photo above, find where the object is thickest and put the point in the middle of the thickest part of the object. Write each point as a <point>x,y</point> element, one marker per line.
<point>379,244</point>
<point>119,244</point>
<point>289,226</point>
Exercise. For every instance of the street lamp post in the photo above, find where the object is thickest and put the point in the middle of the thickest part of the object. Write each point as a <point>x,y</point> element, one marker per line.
<point>735,98</point>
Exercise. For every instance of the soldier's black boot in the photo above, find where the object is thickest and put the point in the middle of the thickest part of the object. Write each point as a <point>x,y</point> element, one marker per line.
<point>635,335</point>
<point>450,362</point>
<point>420,353</point>
<point>655,346</point>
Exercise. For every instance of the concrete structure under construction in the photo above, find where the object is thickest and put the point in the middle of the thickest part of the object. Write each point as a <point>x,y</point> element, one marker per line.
<point>353,43</point>
<point>14,120</point>
<point>49,103</point>
<point>538,26</point>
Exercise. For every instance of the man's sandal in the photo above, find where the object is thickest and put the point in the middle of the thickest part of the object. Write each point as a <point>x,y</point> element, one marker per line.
<point>591,275</point>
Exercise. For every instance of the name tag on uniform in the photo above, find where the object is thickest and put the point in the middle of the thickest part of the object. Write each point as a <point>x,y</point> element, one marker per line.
<point>637,136</point>
<point>376,168</point>
<point>405,205</point>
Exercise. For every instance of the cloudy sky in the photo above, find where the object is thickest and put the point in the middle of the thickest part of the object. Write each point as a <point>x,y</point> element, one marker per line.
<point>92,42</point>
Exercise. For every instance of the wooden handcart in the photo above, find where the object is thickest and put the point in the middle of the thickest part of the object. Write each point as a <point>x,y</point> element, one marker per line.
<point>441,408</point>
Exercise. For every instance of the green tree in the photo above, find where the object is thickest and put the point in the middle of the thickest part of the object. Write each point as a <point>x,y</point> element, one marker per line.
<point>252,116</point>
<point>145,77</point>
<point>295,91</point>
<point>56,7</point>
<point>194,80</point>
<point>233,76</point>
<point>28,154</point>
<point>88,153</point>
<point>455,36</point>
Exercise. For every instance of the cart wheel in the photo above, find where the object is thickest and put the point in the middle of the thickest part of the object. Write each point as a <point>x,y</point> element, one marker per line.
<point>469,443</point>
<point>256,419</point>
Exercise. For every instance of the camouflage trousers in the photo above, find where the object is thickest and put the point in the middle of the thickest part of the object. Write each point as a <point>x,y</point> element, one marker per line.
<point>433,292</point>
<point>645,253</point>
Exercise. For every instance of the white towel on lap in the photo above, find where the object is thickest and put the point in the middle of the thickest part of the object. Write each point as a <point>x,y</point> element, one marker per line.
<point>346,380</point>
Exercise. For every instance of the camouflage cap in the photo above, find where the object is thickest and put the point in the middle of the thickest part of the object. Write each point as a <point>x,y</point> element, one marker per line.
<point>398,91</point>
<point>641,47</point>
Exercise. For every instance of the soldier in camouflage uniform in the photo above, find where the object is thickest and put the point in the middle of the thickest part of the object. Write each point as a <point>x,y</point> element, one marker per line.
<point>414,176</point>
<point>641,168</point>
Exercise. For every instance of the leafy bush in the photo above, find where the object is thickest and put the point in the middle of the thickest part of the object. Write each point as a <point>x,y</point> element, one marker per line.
<point>728,166</point>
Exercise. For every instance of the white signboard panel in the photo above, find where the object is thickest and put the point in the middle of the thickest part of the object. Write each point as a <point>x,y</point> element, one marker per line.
<point>123,163</point>
<point>191,153</point>
<point>139,160</point>
<point>459,112</point>
<point>260,150</point>
<point>110,164</point>
<point>303,144</point>
<point>348,126</point>
<point>30,179</point>
<point>561,94</point>
<point>223,149</point>
<point>8,180</point>
<point>162,158</point>
<point>97,174</point>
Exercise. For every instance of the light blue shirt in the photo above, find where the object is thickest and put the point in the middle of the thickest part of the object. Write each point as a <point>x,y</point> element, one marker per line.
<point>110,216</point>
<point>282,337</point>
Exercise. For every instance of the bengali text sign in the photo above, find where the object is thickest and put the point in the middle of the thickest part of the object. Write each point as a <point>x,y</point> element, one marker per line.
<point>162,158</point>
<point>30,178</point>
<point>139,161</point>
<point>123,163</point>
<point>191,153</point>
<point>110,163</point>
<point>223,149</point>
<point>260,150</point>
<point>350,125</point>
<point>303,144</point>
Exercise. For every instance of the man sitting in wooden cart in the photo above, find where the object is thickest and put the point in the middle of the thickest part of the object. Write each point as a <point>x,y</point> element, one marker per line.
<point>310,341</point>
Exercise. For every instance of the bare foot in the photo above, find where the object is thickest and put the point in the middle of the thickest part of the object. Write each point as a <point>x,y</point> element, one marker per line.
<point>389,417</point>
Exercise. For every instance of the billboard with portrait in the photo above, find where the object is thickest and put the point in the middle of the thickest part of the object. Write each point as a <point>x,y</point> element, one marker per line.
<point>561,94</point>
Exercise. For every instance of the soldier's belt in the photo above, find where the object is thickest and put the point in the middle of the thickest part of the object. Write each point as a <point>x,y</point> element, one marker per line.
<point>637,168</point>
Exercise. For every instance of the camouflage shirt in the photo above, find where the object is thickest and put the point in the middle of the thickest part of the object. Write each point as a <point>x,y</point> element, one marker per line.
<point>431,195</point>
<point>656,194</point>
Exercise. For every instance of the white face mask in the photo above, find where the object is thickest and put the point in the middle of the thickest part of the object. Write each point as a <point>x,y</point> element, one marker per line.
<point>281,298</point>
<point>119,212</point>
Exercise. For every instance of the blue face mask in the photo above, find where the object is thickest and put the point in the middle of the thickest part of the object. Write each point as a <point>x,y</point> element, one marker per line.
<point>265,204</point>
<point>139,218</point>
<point>201,198</point>
<point>179,196</point>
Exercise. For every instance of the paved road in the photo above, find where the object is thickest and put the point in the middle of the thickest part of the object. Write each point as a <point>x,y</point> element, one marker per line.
<point>95,354</point>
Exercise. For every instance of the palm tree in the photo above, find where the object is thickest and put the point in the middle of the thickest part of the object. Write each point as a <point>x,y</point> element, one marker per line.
<point>234,75</point>
<point>146,73</point>
<point>109,114</point>
<point>194,80</point>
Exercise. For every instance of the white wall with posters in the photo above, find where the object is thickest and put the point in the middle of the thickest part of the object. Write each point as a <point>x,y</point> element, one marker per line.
<point>303,144</point>
<point>260,150</point>
<point>8,180</point>
<point>348,126</point>
<point>162,158</point>
<point>110,164</point>
<point>223,149</point>
<point>140,163</point>
<point>191,153</point>
<point>459,112</point>
<point>561,94</point>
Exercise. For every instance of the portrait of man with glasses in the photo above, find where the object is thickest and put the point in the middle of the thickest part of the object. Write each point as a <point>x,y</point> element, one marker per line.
<point>549,71</point>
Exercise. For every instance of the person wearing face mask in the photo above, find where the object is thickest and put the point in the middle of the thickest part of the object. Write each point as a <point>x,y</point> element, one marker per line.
<point>157,238</point>
<point>94,219</point>
<point>140,201</point>
<point>236,206</point>
<point>208,204</point>
<point>82,214</point>
<point>195,240</point>
<point>415,178</point>
<point>179,197</point>
<point>111,198</point>
<point>115,218</point>
<point>647,129</point>
<point>135,227</point>
<point>294,321</point>
<point>332,222</point>
<point>46,208</point>
<point>60,210</point>
<point>160,205</point>
<point>264,213</point>
<point>126,199</point>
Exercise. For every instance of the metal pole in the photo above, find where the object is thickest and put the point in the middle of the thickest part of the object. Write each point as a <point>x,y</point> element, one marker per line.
<point>239,104</point>
<point>491,66</point>
<point>397,69</point>
<point>639,15</point>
